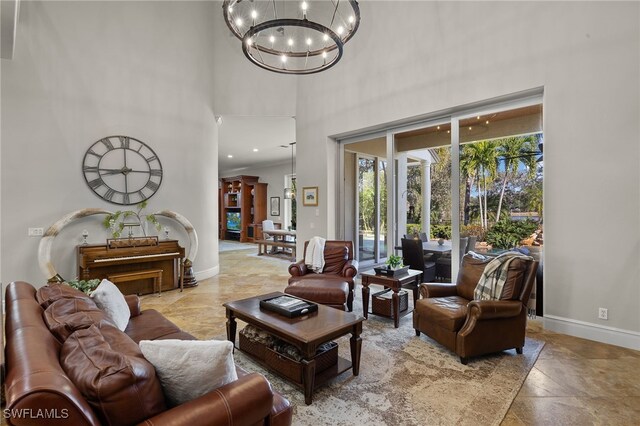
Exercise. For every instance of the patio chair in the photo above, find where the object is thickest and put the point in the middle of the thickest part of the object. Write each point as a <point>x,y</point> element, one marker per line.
<point>443,263</point>
<point>413,256</point>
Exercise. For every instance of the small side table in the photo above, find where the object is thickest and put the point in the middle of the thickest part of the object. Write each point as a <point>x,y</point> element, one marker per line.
<point>411,279</point>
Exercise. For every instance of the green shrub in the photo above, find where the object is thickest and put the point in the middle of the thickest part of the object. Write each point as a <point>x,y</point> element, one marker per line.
<point>507,234</point>
<point>473,230</point>
<point>413,228</point>
<point>444,231</point>
<point>441,231</point>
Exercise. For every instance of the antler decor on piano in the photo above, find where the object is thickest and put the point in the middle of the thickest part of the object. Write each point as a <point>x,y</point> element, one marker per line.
<point>46,243</point>
<point>189,277</point>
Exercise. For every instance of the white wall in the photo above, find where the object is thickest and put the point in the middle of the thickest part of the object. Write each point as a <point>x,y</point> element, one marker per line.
<point>586,55</point>
<point>85,70</point>
<point>242,88</point>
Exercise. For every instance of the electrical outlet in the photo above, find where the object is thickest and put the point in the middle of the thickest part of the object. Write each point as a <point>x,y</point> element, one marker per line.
<point>603,313</point>
<point>35,232</point>
<point>312,225</point>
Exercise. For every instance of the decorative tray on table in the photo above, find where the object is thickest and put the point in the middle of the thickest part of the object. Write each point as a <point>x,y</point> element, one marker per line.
<point>288,306</point>
<point>383,270</point>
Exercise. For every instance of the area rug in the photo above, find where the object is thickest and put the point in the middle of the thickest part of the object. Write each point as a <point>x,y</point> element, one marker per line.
<point>409,380</point>
<point>232,245</point>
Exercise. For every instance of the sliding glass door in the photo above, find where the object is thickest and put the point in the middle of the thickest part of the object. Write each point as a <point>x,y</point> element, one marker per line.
<point>464,177</point>
<point>371,209</point>
<point>367,209</point>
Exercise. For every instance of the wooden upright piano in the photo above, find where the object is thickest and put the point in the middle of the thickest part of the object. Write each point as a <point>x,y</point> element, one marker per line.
<point>122,256</point>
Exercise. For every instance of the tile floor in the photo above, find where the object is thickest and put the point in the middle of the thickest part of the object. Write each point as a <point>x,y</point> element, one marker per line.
<point>574,381</point>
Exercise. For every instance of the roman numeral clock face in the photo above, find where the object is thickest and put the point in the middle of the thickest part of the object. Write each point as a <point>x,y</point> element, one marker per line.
<point>122,170</point>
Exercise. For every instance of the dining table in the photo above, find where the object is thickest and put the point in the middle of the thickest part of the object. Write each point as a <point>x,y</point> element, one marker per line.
<point>281,234</point>
<point>433,247</point>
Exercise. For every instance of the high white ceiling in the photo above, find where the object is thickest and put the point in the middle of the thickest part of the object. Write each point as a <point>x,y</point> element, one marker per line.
<point>239,136</point>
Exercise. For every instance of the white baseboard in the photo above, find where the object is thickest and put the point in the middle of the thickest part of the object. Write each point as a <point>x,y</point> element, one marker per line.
<point>207,273</point>
<point>599,333</point>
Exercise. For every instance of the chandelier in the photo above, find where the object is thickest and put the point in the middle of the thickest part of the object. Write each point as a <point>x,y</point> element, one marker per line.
<point>292,37</point>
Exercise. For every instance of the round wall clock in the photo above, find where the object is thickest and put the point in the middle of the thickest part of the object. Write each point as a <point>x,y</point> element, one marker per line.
<point>122,170</point>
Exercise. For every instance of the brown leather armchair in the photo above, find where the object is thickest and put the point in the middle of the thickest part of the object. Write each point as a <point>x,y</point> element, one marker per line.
<point>448,314</point>
<point>339,265</point>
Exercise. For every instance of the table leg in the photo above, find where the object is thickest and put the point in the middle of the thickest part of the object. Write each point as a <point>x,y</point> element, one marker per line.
<point>396,308</point>
<point>308,379</point>
<point>365,297</point>
<point>416,295</point>
<point>231,326</point>
<point>356,348</point>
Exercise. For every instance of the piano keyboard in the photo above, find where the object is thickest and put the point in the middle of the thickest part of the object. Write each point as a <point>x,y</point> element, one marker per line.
<point>142,256</point>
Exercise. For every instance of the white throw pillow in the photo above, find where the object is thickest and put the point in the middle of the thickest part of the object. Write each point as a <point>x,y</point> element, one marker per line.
<point>188,369</point>
<point>109,298</point>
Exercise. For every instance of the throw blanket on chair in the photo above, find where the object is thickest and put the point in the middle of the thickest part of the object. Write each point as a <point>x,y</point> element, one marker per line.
<point>495,275</point>
<point>314,256</point>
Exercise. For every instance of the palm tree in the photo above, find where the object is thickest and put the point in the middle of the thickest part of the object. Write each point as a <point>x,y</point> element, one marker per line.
<point>482,155</point>
<point>510,151</point>
<point>468,168</point>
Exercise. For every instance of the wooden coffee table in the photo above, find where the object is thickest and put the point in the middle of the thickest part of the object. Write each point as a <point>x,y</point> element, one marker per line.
<point>305,332</point>
<point>411,279</point>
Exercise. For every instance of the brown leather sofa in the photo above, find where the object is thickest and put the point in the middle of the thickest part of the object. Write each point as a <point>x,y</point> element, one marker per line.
<point>39,367</point>
<point>339,266</point>
<point>448,314</point>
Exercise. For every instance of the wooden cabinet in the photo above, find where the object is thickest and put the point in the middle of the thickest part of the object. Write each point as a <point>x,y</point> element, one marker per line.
<point>243,205</point>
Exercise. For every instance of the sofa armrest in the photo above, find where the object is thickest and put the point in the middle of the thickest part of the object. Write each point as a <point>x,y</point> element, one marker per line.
<point>298,269</point>
<point>438,290</point>
<point>491,309</point>
<point>134,304</point>
<point>246,401</point>
<point>350,269</point>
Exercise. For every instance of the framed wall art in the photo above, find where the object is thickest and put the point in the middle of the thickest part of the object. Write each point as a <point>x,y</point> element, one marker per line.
<point>310,196</point>
<point>274,203</point>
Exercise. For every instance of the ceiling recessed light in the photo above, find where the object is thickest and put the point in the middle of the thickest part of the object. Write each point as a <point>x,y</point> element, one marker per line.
<point>255,149</point>
<point>229,156</point>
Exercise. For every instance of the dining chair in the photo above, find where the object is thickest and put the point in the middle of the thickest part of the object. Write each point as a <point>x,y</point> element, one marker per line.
<point>471,245</point>
<point>443,263</point>
<point>412,255</point>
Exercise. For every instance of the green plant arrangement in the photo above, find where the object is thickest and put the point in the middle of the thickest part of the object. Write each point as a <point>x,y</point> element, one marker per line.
<point>508,234</point>
<point>394,262</point>
<point>85,286</point>
<point>115,222</point>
